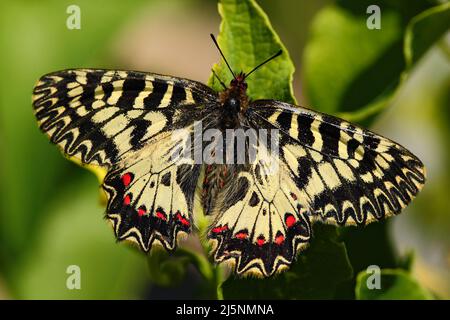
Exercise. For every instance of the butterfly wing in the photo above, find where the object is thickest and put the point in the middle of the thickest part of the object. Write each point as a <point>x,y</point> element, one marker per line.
<point>123,121</point>
<point>151,193</point>
<point>260,224</point>
<point>98,116</point>
<point>328,170</point>
<point>351,175</point>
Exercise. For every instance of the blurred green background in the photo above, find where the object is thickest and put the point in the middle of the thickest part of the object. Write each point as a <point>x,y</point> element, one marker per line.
<point>51,215</point>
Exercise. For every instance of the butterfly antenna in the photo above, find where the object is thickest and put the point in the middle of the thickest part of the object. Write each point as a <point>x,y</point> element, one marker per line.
<point>263,63</point>
<point>217,45</point>
<point>221,82</point>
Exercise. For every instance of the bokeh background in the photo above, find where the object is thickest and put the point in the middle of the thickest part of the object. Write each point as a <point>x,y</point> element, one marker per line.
<point>50,209</point>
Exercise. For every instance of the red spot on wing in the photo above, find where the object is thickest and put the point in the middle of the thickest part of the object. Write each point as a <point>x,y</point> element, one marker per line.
<point>260,241</point>
<point>127,178</point>
<point>127,200</point>
<point>290,220</point>
<point>161,215</point>
<point>220,229</point>
<point>279,239</point>
<point>241,235</point>
<point>294,196</point>
<point>183,220</point>
<point>141,211</point>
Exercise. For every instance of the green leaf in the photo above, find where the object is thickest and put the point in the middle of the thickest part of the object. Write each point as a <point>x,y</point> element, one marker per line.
<point>246,39</point>
<point>424,30</point>
<point>170,268</point>
<point>406,261</point>
<point>395,284</point>
<point>367,246</point>
<point>167,269</point>
<point>350,70</point>
<point>213,274</point>
<point>320,269</point>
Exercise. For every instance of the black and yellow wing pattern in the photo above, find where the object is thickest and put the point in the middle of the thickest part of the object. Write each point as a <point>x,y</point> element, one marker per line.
<point>122,121</point>
<point>327,170</point>
<point>125,122</point>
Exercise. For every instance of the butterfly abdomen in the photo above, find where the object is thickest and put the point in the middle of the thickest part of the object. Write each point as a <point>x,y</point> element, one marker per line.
<point>216,177</point>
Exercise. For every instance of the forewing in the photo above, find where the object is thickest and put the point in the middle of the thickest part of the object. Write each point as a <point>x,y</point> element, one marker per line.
<point>97,116</point>
<point>345,174</point>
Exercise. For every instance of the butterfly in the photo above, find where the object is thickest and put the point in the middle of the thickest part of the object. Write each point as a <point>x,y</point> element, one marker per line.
<point>135,126</point>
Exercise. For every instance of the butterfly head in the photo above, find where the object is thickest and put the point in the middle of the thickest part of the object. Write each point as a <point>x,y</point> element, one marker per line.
<point>235,97</point>
<point>239,82</point>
